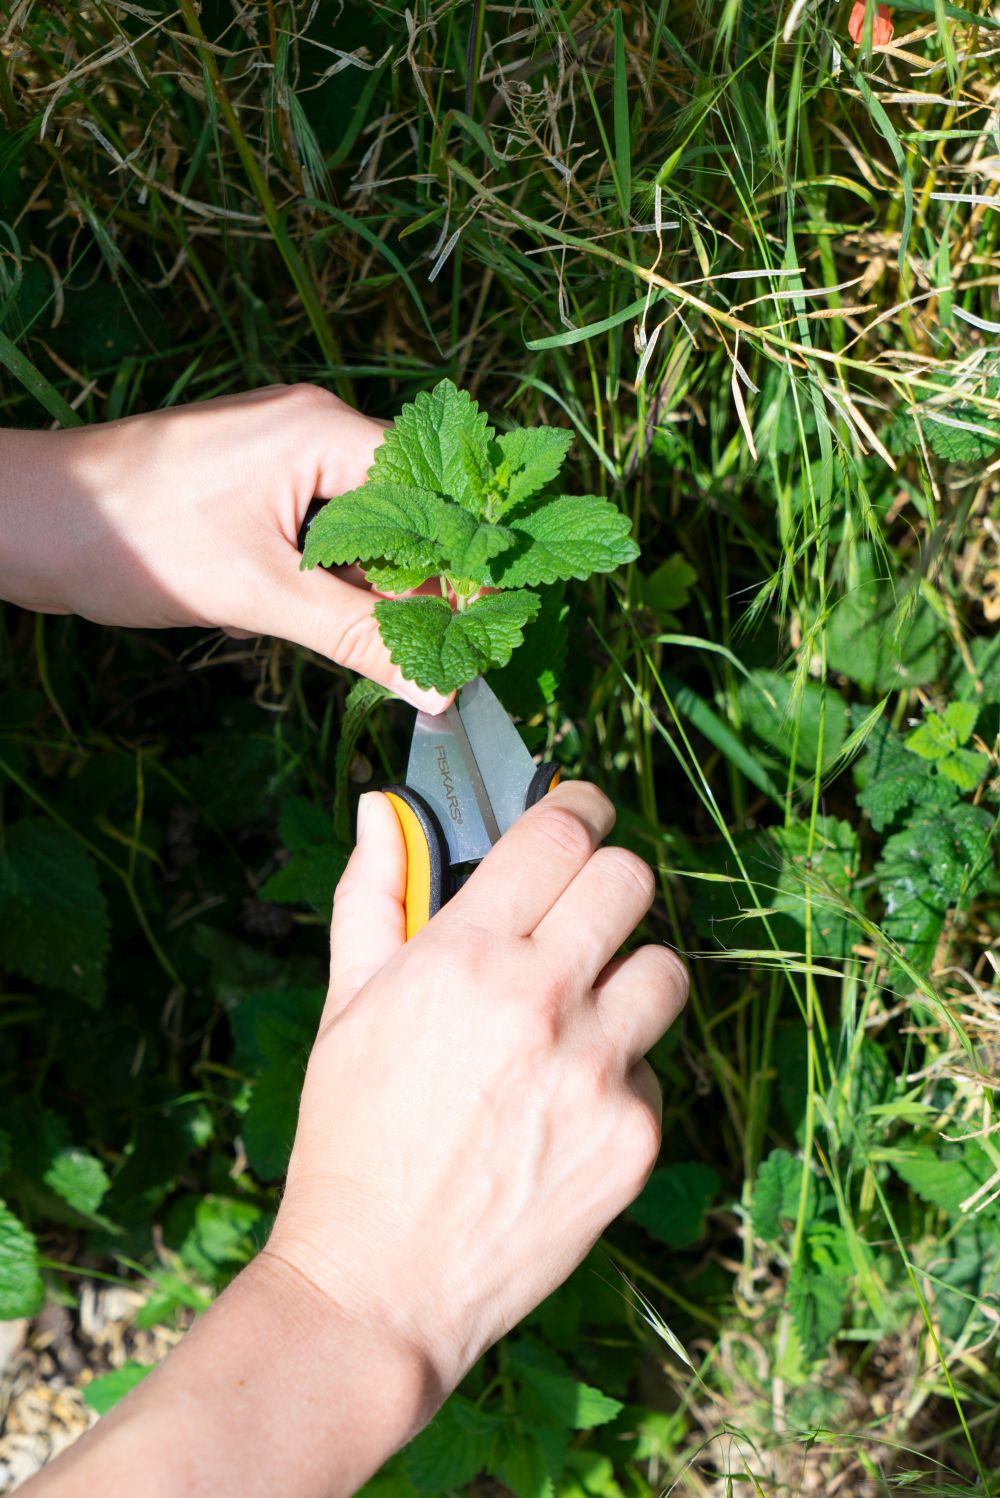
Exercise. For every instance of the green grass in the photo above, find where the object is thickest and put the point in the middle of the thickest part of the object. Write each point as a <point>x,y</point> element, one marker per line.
<point>718,242</point>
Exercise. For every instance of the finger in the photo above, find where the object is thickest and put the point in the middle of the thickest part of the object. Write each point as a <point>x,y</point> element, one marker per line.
<point>369,922</point>
<point>638,997</point>
<point>595,914</point>
<point>335,619</point>
<point>521,878</point>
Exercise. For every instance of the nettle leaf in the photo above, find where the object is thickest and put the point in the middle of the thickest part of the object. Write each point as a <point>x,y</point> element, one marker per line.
<point>531,1459</point>
<point>469,545</point>
<point>667,590</point>
<point>895,779</point>
<point>529,683</point>
<point>776,1194</point>
<point>882,645</point>
<point>380,521</point>
<point>453,1449</point>
<point>54,926</point>
<point>939,738</point>
<point>311,874</point>
<point>785,714</point>
<point>282,1029</point>
<point>944,1182</point>
<point>817,1287</point>
<point>673,1204</point>
<point>215,1235</point>
<point>817,872</point>
<point>532,457</point>
<point>79,1179</point>
<point>557,1399</point>
<point>940,857</point>
<point>438,648</point>
<point>21,1290</point>
<point>441,442</point>
<point>562,537</point>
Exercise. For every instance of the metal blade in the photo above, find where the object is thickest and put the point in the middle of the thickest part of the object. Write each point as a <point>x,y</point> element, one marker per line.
<point>443,768</point>
<point>504,763</point>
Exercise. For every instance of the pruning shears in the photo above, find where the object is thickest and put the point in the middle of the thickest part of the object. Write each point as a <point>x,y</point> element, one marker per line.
<point>469,777</point>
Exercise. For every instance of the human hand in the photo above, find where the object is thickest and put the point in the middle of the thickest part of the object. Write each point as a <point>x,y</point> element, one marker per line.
<point>476,1108</point>
<point>190,517</point>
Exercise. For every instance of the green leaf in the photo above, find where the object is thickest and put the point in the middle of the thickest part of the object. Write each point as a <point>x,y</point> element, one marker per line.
<point>943,1177</point>
<point>21,1290</point>
<point>817,1287</point>
<point>438,648</point>
<point>933,739</point>
<point>54,926</point>
<point>870,639</point>
<point>105,1392</point>
<point>894,778</point>
<point>469,545</point>
<point>528,684</point>
<point>439,442</point>
<point>533,456</point>
<point>215,1235</point>
<point>673,1204</point>
<point>380,521</point>
<point>79,1179</point>
<point>776,1194</point>
<point>284,1026</point>
<point>961,718</point>
<point>783,717</point>
<point>562,537</point>
<point>965,768</point>
<point>822,867</point>
<point>941,856</point>
<point>667,590</point>
<point>563,1401</point>
<point>458,1443</point>
<point>531,1459</point>
<point>311,874</point>
<point>269,1124</point>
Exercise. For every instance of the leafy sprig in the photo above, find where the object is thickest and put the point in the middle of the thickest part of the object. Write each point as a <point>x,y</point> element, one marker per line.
<point>446,498</point>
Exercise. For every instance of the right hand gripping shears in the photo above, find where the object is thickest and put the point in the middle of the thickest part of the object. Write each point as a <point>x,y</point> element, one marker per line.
<point>469,777</point>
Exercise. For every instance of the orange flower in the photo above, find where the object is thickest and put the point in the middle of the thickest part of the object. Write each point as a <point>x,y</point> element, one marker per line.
<point>881,26</point>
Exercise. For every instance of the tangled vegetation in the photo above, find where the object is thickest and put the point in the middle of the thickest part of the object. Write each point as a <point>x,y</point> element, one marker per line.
<point>753,266</point>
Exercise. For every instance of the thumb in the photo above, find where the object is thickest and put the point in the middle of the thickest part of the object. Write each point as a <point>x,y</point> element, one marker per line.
<point>369,921</point>
<point>335,619</point>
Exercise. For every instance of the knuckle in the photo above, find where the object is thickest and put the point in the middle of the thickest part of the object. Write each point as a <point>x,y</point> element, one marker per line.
<point>667,971</point>
<point>628,870</point>
<point>469,954</point>
<point>307,398</point>
<point>355,642</point>
<point>565,831</point>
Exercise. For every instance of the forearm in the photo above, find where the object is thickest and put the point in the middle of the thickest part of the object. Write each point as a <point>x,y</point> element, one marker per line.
<point>272,1391</point>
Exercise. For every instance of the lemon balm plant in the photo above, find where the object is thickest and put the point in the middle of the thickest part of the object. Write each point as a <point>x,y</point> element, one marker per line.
<point>448,499</point>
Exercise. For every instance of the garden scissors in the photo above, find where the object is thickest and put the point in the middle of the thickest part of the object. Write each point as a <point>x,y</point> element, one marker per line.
<point>469,777</point>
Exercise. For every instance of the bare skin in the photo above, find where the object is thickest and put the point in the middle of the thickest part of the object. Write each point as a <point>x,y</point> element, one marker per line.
<point>190,517</point>
<point>476,1110</point>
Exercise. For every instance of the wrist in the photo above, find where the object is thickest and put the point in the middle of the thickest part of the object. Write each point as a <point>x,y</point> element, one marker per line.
<point>360,1274</point>
<point>44,519</point>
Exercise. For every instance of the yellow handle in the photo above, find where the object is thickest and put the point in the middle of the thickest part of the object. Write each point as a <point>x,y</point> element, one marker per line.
<point>418,865</point>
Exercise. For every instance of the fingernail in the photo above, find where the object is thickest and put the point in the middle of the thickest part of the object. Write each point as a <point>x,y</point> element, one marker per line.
<point>365,811</point>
